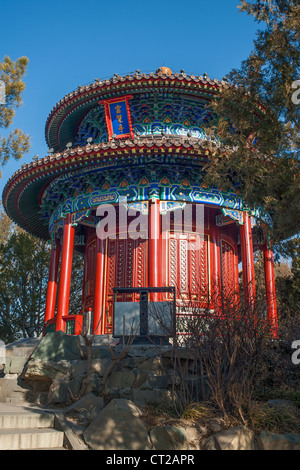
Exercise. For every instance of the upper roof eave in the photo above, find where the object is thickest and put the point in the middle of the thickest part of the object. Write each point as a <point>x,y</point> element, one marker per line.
<point>83,94</point>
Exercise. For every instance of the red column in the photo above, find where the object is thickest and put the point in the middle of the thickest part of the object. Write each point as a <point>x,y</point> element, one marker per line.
<point>154,245</point>
<point>99,313</point>
<point>216,268</point>
<point>270,288</point>
<point>65,273</point>
<point>52,282</point>
<point>247,259</point>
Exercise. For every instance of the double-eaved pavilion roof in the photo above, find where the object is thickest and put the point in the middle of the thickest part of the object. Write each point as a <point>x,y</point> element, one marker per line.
<point>68,112</point>
<point>23,193</point>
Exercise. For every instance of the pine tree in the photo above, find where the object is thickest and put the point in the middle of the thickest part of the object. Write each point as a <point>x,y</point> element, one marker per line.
<point>259,121</point>
<point>11,74</point>
<point>24,269</point>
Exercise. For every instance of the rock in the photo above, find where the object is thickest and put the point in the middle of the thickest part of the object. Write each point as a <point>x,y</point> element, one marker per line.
<point>214,426</point>
<point>129,362</point>
<point>87,407</point>
<point>270,441</point>
<point>40,375</point>
<point>58,346</point>
<point>281,404</point>
<point>58,392</point>
<point>209,444</point>
<point>100,352</point>
<point>88,402</point>
<point>118,427</point>
<point>158,381</point>
<point>168,438</point>
<point>194,433</point>
<point>140,351</point>
<point>126,392</point>
<point>121,379</point>
<point>149,363</point>
<point>237,438</point>
<point>113,392</point>
<point>15,365</point>
<point>23,347</point>
<point>140,378</point>
<point>94,384</point>
<point>78,369</point>
<point>142,397</point>
<point>16,354</point>
<point>75,386</point>
<point>100,365</point>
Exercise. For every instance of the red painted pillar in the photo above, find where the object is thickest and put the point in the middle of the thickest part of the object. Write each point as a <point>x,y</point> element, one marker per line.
<point>247,259</point>
<point>99,311</point>
<point>154,246</point>
<point>216,269</point>
<point>52,282</point>
<point>270,288</point>
<point>65,273</point>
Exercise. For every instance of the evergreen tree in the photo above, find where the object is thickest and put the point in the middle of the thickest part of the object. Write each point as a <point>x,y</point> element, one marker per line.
<point>288,287</point>
<point>259,120</point>
<point>24,270</point>
<point>11,74</point>
<point>24,264</point>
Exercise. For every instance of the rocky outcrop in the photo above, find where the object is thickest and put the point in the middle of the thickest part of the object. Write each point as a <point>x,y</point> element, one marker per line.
<point>168,438</point>
<point>58,367</point>
<point>107,410</point>
<point>57,346</point>
<point>16,354</point>
<point>237,438</point>
<point>118,427</point>
<point>270,441</point>
<point>121,426</point>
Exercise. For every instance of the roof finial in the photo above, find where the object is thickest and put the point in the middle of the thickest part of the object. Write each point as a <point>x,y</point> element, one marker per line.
<point>164,70</point>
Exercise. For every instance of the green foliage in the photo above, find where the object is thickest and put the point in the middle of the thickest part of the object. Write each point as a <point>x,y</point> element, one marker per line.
<point>288,287</point>
<point>23,282</point>
<point>24,270</point>
<point>16,143</point>
<point>259,123</point>
<point>262,417</point>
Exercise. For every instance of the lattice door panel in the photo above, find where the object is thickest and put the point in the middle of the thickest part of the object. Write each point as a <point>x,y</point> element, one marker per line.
<point>188,266</point>
<point>89,274</point>
<point>229,284</point>
<point>125,268</point>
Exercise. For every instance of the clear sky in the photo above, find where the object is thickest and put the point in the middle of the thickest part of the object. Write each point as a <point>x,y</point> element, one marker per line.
<point>71,42</point>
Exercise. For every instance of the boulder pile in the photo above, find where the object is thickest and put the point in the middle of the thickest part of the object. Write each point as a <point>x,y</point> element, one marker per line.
<point>105,401</point>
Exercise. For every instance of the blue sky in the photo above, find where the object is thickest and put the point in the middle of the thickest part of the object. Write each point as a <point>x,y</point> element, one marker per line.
<point>72,42</point>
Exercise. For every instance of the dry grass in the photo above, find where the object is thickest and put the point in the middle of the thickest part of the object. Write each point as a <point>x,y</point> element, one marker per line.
<point>158,415</point>
<point>262,416</point>
<point>199,412</point>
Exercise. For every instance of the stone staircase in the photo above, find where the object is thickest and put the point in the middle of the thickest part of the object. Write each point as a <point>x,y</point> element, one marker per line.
<point>25,428</point>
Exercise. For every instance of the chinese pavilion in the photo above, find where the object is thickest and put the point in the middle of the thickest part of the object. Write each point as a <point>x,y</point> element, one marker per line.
<point>137,142</point>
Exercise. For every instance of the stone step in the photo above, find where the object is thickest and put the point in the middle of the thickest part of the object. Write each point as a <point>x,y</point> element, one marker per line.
<point>18,420</point>
<point>21,439</point>
<point>16,397</point>
<point>46,448</point>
